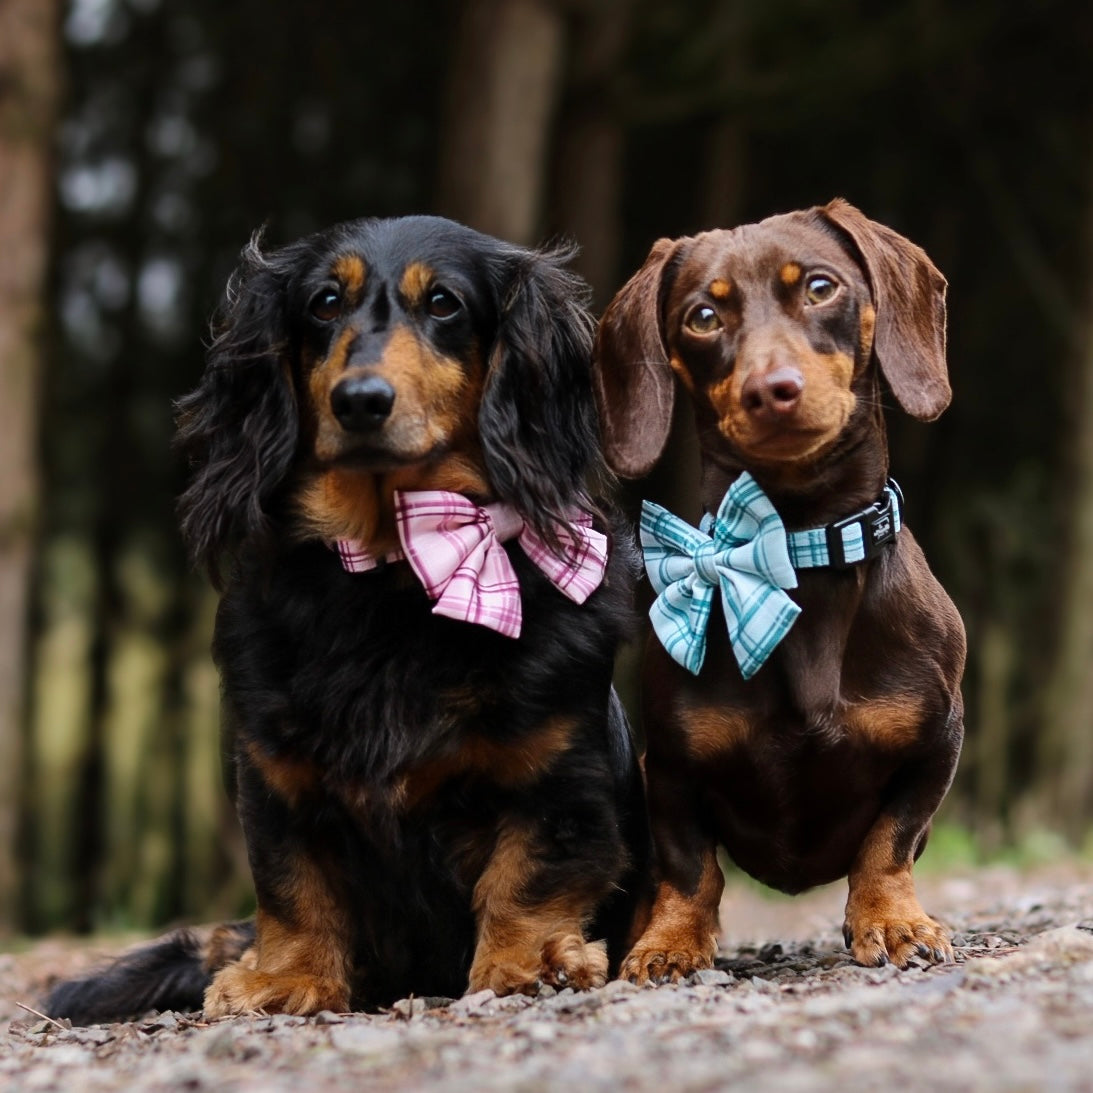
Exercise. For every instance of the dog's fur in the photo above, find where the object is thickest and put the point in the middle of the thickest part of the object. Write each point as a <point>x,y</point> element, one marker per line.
<point>833,758</point>
<point>429,806</point>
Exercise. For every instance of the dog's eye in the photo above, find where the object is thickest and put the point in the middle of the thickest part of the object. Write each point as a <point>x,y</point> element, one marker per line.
<point>702,320</point>
<point>326,305</point>
<point>442,304</point>
<point>820,288</point>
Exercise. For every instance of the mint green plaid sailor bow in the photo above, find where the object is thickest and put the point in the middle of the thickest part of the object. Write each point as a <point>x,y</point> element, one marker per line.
<point>745,555</point>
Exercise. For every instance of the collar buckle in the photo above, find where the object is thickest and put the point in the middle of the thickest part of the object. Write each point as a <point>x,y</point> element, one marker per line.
<point>880,523</point>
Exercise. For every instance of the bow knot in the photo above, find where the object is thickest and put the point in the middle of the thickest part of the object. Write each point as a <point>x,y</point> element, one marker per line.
<point>455,549</point>
<point>705,561</point>
<point>746,557</point>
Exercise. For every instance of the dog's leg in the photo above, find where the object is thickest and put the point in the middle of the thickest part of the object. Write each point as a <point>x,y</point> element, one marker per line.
<point>884,920</point>
<point>299,962</point>
<point>531,925</point>
<point>681,937</point>
<point>681,934</point>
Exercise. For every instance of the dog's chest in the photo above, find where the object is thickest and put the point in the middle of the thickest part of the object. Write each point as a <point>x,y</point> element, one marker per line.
<point>844,686</point>
<point>357,676</point>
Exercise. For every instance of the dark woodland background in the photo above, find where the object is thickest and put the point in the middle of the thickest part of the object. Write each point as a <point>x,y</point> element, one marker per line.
<point>142,141</point>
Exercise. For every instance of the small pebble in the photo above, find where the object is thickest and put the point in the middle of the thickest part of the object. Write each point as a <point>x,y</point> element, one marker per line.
<point>711,977</point>
<point>619,987</point>
<point>222,1043</point>
<point>472,1003</point>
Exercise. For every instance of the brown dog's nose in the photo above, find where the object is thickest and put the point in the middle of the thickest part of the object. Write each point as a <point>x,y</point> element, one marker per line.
<point>774,394</point>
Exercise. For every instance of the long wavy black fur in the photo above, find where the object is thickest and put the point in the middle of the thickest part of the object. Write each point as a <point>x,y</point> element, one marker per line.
<point>239,428</point>
<point>538,422</point>
<point>354,675</point>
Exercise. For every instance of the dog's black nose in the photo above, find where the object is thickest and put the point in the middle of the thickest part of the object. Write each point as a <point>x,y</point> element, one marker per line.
<point>772,394</point>
<point>362,403</point>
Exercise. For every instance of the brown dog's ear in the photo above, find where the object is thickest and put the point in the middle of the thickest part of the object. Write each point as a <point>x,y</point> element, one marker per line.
<point>909,295</point>
<point>635,388</point>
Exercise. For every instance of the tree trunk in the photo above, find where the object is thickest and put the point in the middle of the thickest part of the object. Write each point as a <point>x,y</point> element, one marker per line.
<point>28,91</point>
<point>502,93</point>
<point>1067,752</point>
<point>588,179</point>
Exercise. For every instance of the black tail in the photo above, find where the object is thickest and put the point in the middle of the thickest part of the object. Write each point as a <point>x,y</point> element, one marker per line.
<point>169,974</point>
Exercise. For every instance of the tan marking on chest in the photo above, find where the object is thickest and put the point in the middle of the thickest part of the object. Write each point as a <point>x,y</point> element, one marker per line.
<point>886,722</point>
<point>507,763</point>
<point>712,732</point>
<point>345,504</point>
<point>289,778</point>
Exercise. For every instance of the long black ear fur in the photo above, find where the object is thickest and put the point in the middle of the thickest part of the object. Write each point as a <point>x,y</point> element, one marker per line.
<point>239,428</point>
<point>538,418</point>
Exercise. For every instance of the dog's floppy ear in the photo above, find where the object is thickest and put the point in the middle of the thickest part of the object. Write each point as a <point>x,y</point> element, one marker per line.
<point>239,428</point>
<point>635,388</point>
<point>909,296</point>
<point>537,418</point>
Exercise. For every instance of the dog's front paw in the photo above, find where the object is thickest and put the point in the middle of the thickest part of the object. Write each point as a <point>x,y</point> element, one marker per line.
<point>666,959</point>
<point>241,989</point>
<point>895,934</point>
<point>505,971</point>
<point>565,959</point>
<point>570,961</point>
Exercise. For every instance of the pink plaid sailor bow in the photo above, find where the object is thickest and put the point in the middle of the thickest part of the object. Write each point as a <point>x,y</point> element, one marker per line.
<point>454,548</point>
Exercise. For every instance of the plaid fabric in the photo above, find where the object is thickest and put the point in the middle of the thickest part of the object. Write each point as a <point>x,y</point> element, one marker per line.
<point>454,548</point>
<point>581,571</point>
<point>355,559</point>
<point>745,556</point>
<point>808,548</point>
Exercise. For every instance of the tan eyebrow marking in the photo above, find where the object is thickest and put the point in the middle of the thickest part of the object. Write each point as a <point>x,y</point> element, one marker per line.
<point>349,270</point>
<point>415,282</point>
<point>720,290</point>
<point>790,273</point>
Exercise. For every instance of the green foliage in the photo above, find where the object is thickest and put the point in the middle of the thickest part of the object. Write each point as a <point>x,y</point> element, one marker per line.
<point>953,848</point>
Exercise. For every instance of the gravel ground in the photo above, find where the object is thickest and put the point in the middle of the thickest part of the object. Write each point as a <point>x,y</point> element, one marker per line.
<point>784,1010</point>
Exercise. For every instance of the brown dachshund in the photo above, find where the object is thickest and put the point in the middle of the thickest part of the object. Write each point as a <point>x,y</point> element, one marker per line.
<point>831,759</point>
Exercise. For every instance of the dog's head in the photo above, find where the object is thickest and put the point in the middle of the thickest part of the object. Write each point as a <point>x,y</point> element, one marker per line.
<point>772,328</point>
<point>411,353</point>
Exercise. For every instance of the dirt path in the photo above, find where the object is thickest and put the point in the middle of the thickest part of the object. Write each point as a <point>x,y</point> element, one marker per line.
<point>785,1010</point>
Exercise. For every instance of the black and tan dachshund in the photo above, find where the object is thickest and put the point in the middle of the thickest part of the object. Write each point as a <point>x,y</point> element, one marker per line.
<point>812,727</point>
<point>437,794</point>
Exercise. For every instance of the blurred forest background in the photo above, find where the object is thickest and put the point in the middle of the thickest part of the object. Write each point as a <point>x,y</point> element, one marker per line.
<point>141,141</point>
